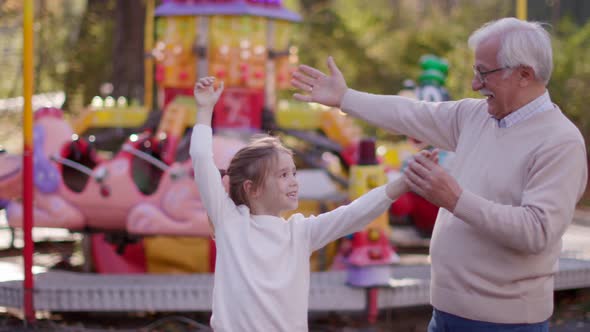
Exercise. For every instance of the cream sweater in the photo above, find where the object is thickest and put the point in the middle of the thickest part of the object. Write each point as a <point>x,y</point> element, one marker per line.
<point>262,264</point>
<point>494,257</point>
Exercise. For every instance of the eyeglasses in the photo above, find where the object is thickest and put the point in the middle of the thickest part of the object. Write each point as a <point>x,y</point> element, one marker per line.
<point>481,75</point>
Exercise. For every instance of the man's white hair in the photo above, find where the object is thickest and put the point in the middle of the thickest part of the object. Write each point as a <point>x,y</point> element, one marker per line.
<point>522,43</point>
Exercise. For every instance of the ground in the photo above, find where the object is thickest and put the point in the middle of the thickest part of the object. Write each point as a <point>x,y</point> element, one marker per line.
<point>571,315</point>
<point>572,311</point>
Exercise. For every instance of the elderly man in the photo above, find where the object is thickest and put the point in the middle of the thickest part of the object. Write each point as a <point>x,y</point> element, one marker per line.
<point>519,170</point>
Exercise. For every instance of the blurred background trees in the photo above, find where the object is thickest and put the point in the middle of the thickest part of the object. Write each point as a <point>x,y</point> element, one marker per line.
<point>82,44</point>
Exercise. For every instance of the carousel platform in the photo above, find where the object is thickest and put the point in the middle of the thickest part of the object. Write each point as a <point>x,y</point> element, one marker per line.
<point>409,286</point>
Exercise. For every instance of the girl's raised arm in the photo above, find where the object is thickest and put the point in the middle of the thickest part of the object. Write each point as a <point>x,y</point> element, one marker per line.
<point>207,176</point>
<point>206,97</point>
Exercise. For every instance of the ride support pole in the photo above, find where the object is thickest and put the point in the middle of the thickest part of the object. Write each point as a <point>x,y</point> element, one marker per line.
<point>372,309</point>
<point>28,286</point>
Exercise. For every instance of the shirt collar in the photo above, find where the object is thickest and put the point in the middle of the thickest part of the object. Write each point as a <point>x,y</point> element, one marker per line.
<point>538,105</point>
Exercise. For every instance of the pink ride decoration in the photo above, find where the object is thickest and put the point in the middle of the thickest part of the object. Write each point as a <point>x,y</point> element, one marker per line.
<point>134,191</point>
<point>370,256</point>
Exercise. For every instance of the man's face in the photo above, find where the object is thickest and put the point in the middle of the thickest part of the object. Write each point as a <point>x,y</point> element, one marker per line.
<point>500,86</point>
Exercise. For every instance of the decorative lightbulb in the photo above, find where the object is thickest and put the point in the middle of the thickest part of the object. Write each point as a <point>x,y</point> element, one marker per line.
<point>96,102</point>
<point>122,101</point>
<point>244,43</point>
<point>245,55</point>
<point>109,102</point>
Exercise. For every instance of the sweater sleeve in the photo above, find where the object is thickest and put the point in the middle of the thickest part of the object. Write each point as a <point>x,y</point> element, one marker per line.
<point>437,123</point>
<point>556,182</point>
<point>347,219</point>
<point>215,199</point>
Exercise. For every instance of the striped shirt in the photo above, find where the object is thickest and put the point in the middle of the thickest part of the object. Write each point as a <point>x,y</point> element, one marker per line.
<point>540,104</point>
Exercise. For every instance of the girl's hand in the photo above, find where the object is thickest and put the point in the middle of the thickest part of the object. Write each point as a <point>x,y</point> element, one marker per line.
<point>400,186</point>
<point>429,180</point>
<point>432,155</point>
<point>205,94</point>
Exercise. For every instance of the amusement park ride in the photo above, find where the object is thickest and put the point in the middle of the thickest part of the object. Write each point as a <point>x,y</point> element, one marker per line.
<point>141,207</point>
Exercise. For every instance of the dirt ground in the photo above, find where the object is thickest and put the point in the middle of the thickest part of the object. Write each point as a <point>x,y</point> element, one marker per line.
<point>572,314</point>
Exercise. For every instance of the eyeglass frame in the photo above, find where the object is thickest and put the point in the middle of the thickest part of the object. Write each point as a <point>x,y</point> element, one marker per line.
<point>481,75</point>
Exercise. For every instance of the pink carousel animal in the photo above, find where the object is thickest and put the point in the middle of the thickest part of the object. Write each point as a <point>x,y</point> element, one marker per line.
<point>135,191</point>
<point>178,210</point>
<point>50,209</point>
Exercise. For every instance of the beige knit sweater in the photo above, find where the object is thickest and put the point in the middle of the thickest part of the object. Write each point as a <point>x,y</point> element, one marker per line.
<point>494,257</point>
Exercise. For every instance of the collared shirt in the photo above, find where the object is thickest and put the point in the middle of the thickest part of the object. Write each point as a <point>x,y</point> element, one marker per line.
<point>540,104</point>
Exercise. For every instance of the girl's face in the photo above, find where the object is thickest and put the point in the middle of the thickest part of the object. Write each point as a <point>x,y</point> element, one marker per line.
<point>278,192</point>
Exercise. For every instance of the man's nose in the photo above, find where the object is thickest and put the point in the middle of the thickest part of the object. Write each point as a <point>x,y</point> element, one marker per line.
<point>476,84</point>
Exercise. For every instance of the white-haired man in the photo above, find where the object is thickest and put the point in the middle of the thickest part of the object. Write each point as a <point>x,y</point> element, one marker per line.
<point>518,172</point>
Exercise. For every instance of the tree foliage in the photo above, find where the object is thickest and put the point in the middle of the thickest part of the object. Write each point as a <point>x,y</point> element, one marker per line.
<point>81,44</point>
<point>570,81</point>
<point>378,46</point>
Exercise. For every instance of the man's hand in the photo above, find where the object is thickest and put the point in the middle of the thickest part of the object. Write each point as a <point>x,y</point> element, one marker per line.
<point>205,95</point>
<point>399,186</point>
<point>318,87</point>
<point>428,179</point>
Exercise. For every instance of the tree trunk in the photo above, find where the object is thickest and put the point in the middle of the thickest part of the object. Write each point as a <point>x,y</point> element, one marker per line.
<point>89,65</point>
<point>555,12</point>
<point>127,76</point>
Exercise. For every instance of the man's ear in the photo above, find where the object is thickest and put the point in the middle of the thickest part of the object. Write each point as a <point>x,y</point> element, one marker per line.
<point>527,75</point>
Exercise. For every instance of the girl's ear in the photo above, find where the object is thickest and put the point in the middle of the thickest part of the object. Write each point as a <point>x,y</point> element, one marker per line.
<point>249,188</point>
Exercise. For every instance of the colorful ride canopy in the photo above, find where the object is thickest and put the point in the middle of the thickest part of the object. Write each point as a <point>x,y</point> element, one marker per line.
<point>264,8</point>
<point>244,43</point>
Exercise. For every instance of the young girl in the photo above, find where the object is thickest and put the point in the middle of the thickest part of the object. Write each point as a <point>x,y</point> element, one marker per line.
<point>262,266</point>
